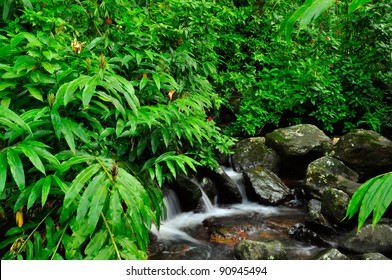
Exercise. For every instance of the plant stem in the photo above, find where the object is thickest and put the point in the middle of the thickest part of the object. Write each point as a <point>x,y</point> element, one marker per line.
<point>111,235</point>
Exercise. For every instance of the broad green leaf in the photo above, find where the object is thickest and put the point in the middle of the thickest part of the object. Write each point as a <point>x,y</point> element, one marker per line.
<point>171,167</point>
<point>68,135</point>
<point>4,85</point>
<point>73,86</point>
<point>29,250</point>
<point>16,168</point>
<point>96,206</point>
<point>356,4</point>
<point>383,199</point>
<point>106,253</point>
<point>155,141</point>
<point>22,198</point>
<point>37,244</point>
<point>35,93</point>
<point>84,203</point>
<point>89,90</point>
<point>35,193</point>
<point>357,198</point>
<point>158,174</point>
<point>78,183</point>
<point>11,115</point>
<point>3,171</point>
<point>120,127</point>
<point>46,189</point>
<point>157,80</point>
<point>50,231</point>
<point>143,83</point>
<point>48,67</point>
<point>46,155</point>
<point>369,201</point>
<point>116,211</point>
<point>96,243</point>
<point>33,157</point>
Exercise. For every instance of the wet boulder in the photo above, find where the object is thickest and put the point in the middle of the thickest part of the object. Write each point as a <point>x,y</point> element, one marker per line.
<point>334,205</point>
<point>298,145</point>
<point>264,186</point>
<point>365,151</point>
<point>226,187</point>
<point>329,172</point>
<point>188,192</point>
<point>332,254</point>
<point>369,240</point>
<point>373,256</point>
<point>300,233</point>
<point>315,220</point>
<point>252,152</point>
<point>259,250</point>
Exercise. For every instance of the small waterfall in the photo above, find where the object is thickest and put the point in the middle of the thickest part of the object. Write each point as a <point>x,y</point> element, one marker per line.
<point>238,178</point>
<point>172,204</point>
<point>208,206</point>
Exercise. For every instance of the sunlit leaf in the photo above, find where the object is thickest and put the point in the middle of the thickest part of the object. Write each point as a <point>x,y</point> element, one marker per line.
<point>96,243</point>
<point>35,193</point>
<point>97,204</point>
<point>46,189</point>
<point>33,157</point>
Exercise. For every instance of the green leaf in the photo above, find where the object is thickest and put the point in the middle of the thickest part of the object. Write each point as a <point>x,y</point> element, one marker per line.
<point>35,193</point>
<point>158,174</point>
<point>33,157</point>
<point>73,86</point>
<point>120,127</point>
<point>3,171</point>
<point>89,90</point>
<point>48,67</point>
<point>29,250</point>
<point>116,211</point>
<point>96,243</point>
<point>171,167</point>
<point>157,80</point>
<point>9,114</point>
<point>50,230</point>
<point>16,167</point>
<point>356,4</point>
<point>35,93</point>
<point>4,85</point>
<point>96,206</point>
<point>84,203</point>
<point>383,199</point>
<point>68,134</point>
<point>46,189</point>
<point>79,182</point>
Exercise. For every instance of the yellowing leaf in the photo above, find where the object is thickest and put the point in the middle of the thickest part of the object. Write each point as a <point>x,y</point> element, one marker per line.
<point>19,217</point>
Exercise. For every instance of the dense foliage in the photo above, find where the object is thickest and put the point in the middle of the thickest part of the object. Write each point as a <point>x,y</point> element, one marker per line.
<point>103,102</point>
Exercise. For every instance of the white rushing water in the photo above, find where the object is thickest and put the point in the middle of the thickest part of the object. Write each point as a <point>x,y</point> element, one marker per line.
<point>175,221</point>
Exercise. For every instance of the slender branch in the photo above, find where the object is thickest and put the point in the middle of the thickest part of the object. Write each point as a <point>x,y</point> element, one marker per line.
<point>111,236</point>
<point>59,242</point>
<point>105,169</point>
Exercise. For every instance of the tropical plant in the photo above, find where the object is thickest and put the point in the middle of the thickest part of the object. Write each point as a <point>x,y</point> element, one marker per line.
<point>375,195</point>
<point>92,124</point>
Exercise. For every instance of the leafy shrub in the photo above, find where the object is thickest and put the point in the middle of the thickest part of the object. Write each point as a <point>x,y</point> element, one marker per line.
<point>98,111</point>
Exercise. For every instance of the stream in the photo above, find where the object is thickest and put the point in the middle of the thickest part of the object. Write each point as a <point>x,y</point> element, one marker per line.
<point>213,232</point>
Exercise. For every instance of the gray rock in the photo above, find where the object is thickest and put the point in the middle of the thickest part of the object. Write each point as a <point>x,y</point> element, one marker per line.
<point>297,146</point>
<point>315,220</point>
<point>227,189</point>
<point>327,172</point>
<point>332,254</point>
<point>369,240</point>
<point>265,186</point>
<point>365,151</point>
<point>259,250</point>
<point>188,192</point>
<point>252,152</point>
<point>373,256</point>
<point>334,204</point>
<point>298,140</point>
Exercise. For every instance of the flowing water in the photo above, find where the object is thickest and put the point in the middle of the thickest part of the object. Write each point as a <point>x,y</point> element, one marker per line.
<point>188,235</point>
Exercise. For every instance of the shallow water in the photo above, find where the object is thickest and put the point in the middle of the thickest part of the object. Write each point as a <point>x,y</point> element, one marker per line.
<point>183,236</point>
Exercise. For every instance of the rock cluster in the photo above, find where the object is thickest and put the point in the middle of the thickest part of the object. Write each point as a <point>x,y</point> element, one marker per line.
<point>330,171</point>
